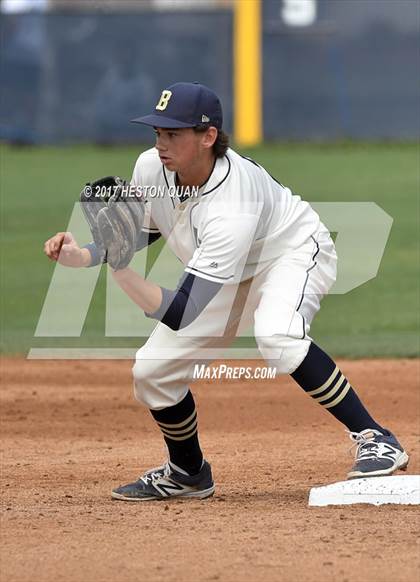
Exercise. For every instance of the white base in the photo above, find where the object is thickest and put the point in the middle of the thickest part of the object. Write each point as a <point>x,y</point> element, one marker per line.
<point>401,490</point>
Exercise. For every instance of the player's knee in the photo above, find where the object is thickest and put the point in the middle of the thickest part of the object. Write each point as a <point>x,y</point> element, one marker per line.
<point>282,352</point>
<point>143,378</point>
<point>150,387</point>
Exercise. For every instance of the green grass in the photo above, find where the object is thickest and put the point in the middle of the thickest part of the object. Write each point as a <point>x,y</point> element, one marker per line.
<point>380,318</point>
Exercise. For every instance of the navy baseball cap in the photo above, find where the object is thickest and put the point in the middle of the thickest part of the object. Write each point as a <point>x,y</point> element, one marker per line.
<point>185,105</point>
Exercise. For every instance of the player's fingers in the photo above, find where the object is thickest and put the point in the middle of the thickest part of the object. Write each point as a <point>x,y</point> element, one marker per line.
<point>48,249</point>
<point>53,255</point>
<point>52,245</point>
<point>56,244</point>
<point>68,238</point>
<point>57,241</point>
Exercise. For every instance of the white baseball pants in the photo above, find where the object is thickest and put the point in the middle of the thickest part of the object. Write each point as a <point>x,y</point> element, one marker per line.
<point>280,302</point>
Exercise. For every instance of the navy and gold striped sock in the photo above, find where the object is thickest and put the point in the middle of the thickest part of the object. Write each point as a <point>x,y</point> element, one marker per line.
<point>179,427</point>
<point>321,378</point>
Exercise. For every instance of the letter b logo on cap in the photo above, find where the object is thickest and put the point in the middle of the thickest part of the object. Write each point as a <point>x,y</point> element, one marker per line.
<point>164,99</point>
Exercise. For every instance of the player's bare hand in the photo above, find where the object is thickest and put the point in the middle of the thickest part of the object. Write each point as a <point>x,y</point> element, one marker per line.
<point>53,245</point>
<point>63,248</point>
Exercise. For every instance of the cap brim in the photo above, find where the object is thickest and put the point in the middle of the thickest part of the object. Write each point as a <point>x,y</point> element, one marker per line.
<point>161,121</point>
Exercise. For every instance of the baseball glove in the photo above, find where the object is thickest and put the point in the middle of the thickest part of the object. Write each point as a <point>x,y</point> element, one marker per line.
<point>115,219</point>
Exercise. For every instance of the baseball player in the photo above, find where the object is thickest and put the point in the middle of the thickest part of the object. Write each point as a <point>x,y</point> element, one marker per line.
<point>253,254</point>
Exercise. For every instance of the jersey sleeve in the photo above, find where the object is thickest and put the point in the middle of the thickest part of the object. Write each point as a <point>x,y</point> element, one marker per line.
<point>179,308</point>
<point>224,244</point>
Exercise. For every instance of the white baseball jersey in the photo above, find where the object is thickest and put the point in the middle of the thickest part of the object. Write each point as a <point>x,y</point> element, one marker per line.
<point>240,218</point>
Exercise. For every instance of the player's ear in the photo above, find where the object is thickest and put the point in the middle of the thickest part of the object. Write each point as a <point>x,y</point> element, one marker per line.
<point>209,137</point>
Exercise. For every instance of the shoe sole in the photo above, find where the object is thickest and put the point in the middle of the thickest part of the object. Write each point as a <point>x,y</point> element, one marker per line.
<point>401,464</point>
<point>204,494</point>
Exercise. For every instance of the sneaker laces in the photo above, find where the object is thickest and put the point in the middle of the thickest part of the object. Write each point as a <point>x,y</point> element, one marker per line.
<point>365,444</point>
<point>154,474</point>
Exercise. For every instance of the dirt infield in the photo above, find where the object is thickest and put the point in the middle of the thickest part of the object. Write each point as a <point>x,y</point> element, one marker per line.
<point>70,431</point>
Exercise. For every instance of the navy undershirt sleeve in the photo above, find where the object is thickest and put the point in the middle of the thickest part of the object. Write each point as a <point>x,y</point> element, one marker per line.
<point>179,308</point>
<point>144,239</point>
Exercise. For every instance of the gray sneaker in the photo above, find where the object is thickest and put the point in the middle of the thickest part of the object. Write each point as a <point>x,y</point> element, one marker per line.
<point>165,482</point>
<point>376,454</point>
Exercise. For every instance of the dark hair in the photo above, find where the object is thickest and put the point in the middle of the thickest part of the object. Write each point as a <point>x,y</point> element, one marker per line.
<point>221,144</point>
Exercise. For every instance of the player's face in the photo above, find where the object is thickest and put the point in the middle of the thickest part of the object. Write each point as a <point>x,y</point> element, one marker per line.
<point>179,149</point>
